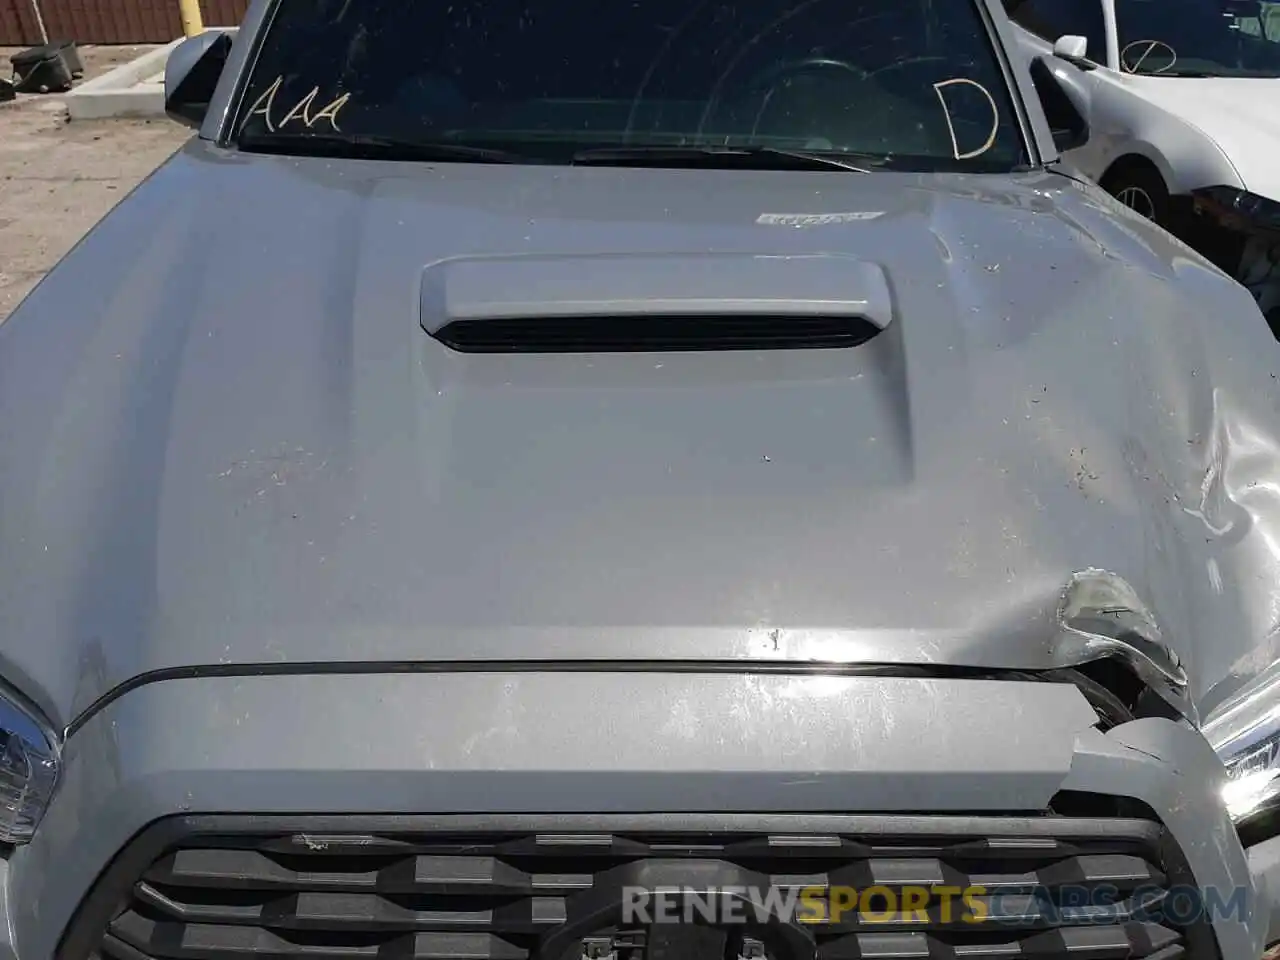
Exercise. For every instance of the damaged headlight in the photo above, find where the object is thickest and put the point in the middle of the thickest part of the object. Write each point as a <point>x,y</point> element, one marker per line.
<point>1245,732</point>
<point>29,759</point>
<point>1233,202</point>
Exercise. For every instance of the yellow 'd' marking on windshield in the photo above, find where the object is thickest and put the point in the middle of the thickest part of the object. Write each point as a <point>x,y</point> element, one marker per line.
<point>1151,45</point>
<point>946,111</point>
<point>264,107</point>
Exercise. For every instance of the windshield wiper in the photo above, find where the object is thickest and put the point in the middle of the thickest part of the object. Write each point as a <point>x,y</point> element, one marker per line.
<point>359,146</point>
<point>769,158</point>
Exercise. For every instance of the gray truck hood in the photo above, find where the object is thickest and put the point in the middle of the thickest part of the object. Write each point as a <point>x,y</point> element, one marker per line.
<point>225,438</point>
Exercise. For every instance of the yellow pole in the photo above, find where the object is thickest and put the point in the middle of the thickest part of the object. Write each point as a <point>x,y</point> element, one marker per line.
<point>192,24</point>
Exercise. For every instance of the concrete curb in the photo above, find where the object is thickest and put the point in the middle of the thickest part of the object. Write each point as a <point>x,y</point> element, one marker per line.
<point>122,92</point>
<point>126,90</point>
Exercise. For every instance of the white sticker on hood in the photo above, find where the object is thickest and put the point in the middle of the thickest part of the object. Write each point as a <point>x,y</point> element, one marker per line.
<point>816,219</point>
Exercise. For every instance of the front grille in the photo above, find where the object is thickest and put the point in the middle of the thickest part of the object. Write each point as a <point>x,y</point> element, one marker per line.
<point>551,889</point>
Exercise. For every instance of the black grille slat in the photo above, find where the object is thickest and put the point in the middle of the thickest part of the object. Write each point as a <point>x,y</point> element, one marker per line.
<point>115,949</point>
<point>436,874</point>
<point>350,912</point>
<point>1081,943</point>
<point>236,869</point>
<point>621,334</point>
<point>1125,873</point>
<point>1022,911</point>
<point>200,942</point>
<point>472,895</point>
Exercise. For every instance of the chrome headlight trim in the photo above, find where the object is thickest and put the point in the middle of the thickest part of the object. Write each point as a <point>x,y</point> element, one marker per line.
<point>1245,732</point>
<point>30,762</point>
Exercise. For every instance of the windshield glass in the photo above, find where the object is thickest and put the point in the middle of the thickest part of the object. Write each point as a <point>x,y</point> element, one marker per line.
<point>1215,38</point>
<point>900,83</point>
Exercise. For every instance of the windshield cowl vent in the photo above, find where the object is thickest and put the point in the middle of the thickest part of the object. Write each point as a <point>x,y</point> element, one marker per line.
<point>655,334</point>
<point>628,304</point>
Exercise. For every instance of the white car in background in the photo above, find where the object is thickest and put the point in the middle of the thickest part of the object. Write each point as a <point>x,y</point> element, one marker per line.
<point>1183,102</point>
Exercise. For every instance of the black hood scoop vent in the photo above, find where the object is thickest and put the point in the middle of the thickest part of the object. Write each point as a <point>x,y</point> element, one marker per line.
<point>615,334</point>
<point>625,304</point>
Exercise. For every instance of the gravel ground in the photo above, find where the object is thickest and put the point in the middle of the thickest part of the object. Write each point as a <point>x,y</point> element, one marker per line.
<point>57,179</point>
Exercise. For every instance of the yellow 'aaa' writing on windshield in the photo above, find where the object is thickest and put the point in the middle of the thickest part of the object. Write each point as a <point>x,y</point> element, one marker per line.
<point>265,107</point>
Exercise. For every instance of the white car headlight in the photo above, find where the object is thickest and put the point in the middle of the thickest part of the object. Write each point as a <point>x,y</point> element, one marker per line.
<point>1245,732</point>
<point>29,760</point>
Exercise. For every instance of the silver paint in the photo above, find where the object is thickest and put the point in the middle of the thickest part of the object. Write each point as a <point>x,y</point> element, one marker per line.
<point>227,443</point>
<point>594,742</point>
<point>227,439</point>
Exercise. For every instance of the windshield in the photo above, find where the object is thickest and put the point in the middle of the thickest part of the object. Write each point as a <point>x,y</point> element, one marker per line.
<point>898,83</point>
<point>1198,38</point>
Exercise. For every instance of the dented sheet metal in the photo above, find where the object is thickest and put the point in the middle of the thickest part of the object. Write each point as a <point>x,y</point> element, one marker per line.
<point>1101,617</point>
<point>1063,388</point>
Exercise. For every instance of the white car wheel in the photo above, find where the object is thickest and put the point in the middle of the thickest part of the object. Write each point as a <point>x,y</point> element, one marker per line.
<point>1140,188</point>
<point>1138,200</point>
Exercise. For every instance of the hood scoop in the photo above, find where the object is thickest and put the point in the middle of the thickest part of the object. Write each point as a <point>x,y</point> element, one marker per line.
<point>622,303</point>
